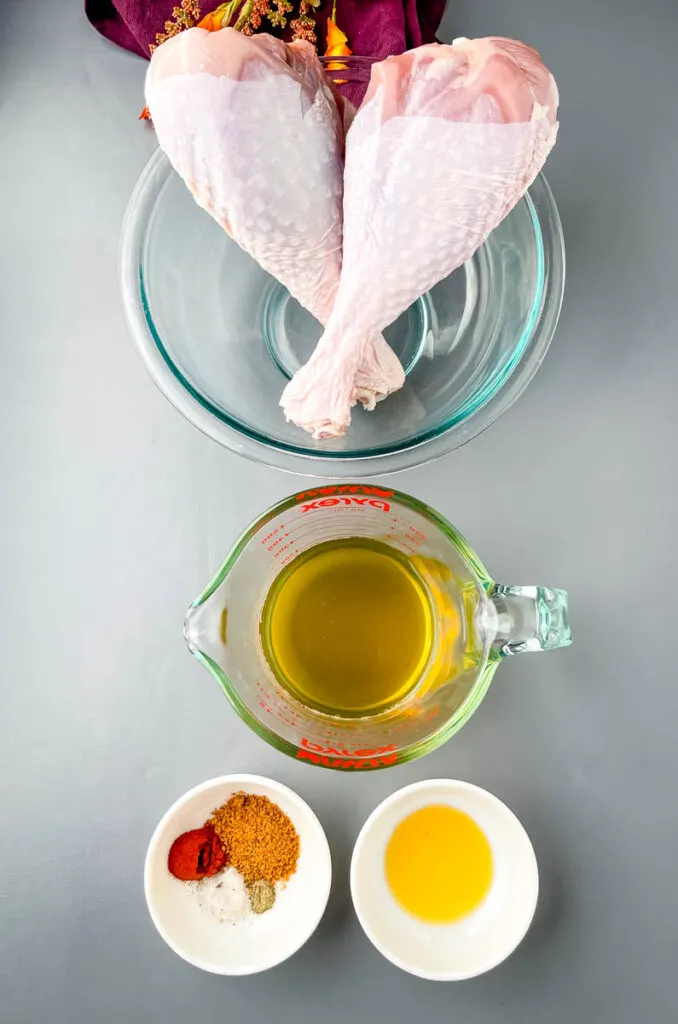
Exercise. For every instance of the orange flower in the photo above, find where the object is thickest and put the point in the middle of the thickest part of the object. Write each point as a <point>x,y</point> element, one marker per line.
<point>337,42</point>
<point>212,22</point>
<point>219,17</point>
<point>337,45</point>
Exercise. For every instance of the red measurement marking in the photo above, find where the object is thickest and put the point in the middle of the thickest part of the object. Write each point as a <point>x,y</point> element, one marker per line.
<point>269,536</point>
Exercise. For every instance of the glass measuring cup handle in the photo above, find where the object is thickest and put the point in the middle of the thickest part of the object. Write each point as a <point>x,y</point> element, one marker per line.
<point>530,619</point>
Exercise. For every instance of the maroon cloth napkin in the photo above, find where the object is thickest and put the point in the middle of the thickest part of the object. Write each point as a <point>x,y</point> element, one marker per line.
<point>375,28</point>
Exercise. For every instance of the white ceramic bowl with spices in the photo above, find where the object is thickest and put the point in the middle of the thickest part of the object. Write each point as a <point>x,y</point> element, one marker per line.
<point>254,942</point>
<point>476,942</point>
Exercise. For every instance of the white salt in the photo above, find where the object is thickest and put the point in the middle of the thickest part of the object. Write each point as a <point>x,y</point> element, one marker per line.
<point>223,895</point>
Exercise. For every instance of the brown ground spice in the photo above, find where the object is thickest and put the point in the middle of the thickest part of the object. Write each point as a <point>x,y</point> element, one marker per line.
<point>260,840</point>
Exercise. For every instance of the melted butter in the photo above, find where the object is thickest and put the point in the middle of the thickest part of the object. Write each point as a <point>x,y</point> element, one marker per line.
<point>438,864</point>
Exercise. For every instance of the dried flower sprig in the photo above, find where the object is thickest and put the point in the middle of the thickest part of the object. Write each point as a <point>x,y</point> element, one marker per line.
<point>245,16</point>
<point>303,27</point>
<point>260,9</point>
<point>185,16</point>
<point>249,16</point>
<point>278,16</point>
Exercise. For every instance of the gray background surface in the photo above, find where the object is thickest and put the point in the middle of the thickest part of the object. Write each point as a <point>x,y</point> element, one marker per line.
<point>115,511</point>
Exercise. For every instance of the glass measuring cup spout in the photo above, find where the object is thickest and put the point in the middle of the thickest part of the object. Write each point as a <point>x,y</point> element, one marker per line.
<point>475,624</point>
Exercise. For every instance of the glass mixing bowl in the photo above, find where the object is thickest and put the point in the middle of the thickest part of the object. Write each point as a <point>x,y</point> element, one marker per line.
<point>221,338</point>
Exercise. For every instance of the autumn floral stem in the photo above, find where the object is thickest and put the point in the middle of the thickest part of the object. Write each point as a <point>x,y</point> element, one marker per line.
<point>244,15</point>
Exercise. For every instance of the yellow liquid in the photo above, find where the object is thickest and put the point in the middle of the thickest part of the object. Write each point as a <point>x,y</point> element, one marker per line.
<point>438,864</point>
<point>348,627</point>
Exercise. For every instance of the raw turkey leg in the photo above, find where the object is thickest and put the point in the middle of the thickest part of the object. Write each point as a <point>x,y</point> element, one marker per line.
<point>253,128</point>
<point>446,142</point>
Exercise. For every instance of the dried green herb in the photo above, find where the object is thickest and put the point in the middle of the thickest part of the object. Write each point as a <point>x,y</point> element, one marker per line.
<point>262,896</point>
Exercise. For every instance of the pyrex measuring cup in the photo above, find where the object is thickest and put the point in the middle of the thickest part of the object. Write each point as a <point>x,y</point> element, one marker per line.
<point>477,623</point>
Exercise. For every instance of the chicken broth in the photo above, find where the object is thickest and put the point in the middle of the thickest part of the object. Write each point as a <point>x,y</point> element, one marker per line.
<point>348,627</point>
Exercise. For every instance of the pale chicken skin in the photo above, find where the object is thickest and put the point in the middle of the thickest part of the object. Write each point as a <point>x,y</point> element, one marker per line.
<point>252,126</point>
<point>446,142</point>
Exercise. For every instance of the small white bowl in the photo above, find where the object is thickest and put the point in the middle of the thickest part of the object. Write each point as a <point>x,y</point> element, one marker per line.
<point>476,943</point>
<point>260,941</point>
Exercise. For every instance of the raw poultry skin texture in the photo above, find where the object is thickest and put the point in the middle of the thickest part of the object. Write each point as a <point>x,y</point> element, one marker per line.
<point>252,126</point>
<point>446,142</point>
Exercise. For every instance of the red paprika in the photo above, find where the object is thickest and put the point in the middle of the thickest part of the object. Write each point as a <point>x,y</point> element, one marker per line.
<point>196,854</point>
